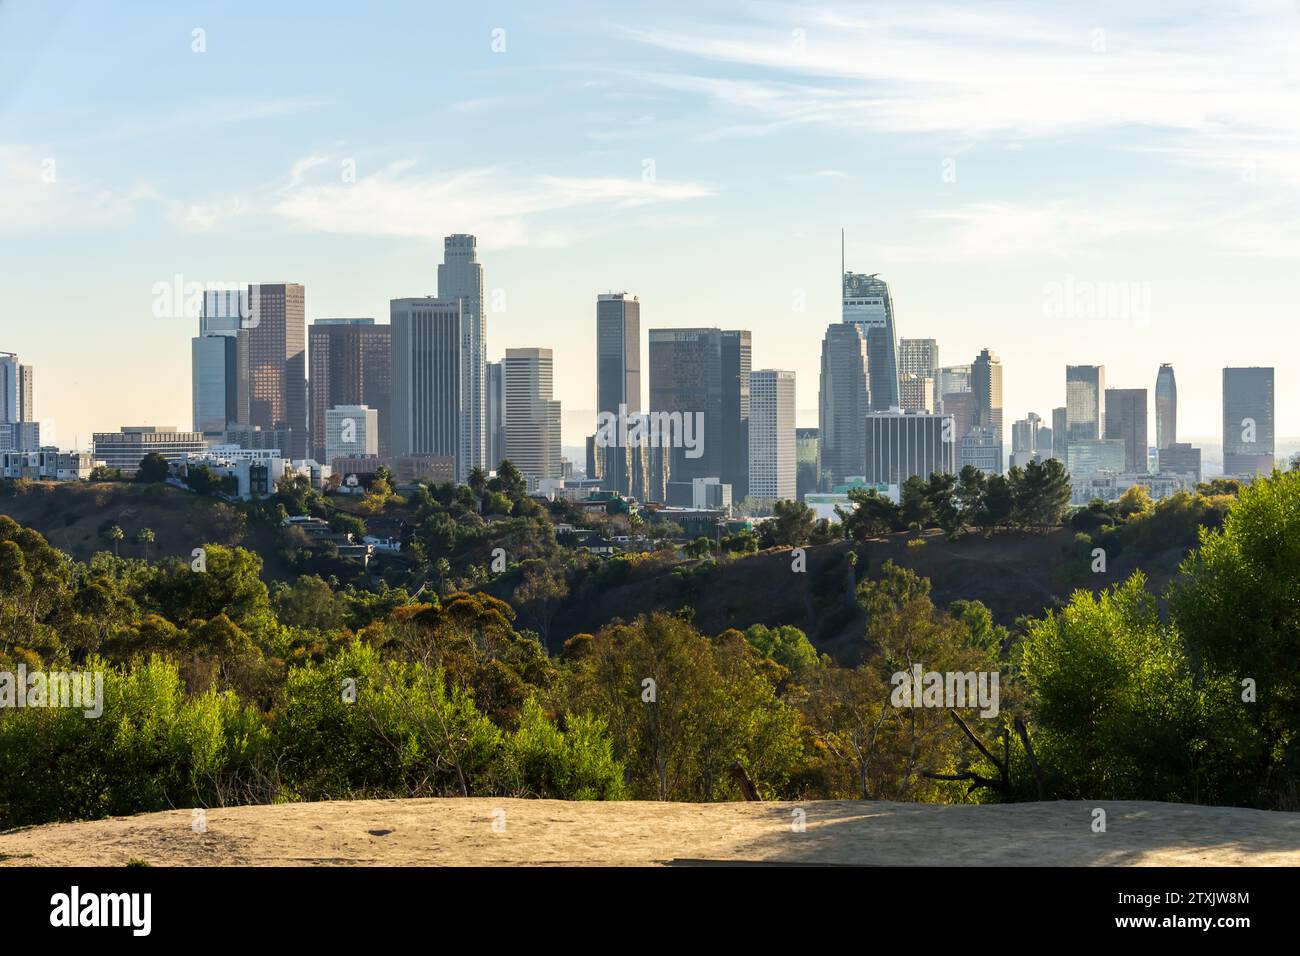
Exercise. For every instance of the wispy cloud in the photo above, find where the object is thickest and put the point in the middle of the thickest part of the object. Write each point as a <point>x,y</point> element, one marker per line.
<point>39,192</point>
<point>504,207</point>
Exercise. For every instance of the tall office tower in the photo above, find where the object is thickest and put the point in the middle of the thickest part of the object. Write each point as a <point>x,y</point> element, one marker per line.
<point>277,361</point>
<point>773,462</point>
<point>980,449</point>
<point>1166,407</point>
<point>1060,433</point>
<point>868,305</point>
<point>1085,402</point>
<point>1248,421</point>
<point>1043,445</point>
<point>902,444</point>
<point>17,402</point>
<point>737,359</point>
<point>960,407</point>
<point>1126,420</point>
<point>916,393</point>
<point>1024,439</point>
<point>460,276</point>
<point>949,380</point>
<point>919,357</point>
<point>842,404</point>
<point>1180,458</point>
<point>986,386</point>
<point>704,372</point>
<point>533,435</point>
<point>618,376</point>
<point>807,456</point>
<point>496,414</point>
<point>351,431</point>
<point>219,363</point>
<point>351,364</point>
<point>427,379</point>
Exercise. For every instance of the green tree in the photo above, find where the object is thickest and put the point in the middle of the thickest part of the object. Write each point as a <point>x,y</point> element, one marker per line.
<point>153,468</point>
<point>115,534</point>
<point>791,524</point>
<point>145,536</point>
<point>872,514</point>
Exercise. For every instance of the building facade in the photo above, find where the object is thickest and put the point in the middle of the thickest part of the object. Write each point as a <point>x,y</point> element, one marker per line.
<point>351,364</point>
<point>618,377</point>
<point>427,379</point>
<point>351,431</point>
<point>460,276</point>
<point>1166,407</point>
<point>1126,421</point>
<point>533,414</point>
<point>773,454</point>
<point>902,444</point>
<point>1248,421</point>
<point>842,404</point>
<point>277,361</point>
<point>868,305</point>
<point>124,449</point>
<point>1085,402</point>
<point>986,387</point>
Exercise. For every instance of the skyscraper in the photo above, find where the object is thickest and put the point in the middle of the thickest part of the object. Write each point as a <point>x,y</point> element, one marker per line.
<point>277,361</point>
<point>842,404</point>
<point>460,276</point>
<point>772,455</point>
<point>686,376</point>
<point>807,457</point>
<point>533,432</point>
<point>867,304</point>
<point>17,403</point>
<point>949,380</point>
<point>1166,407</point>
<point>916,394</point>
<point>427,378</point>
<point>1024,439</point>
<point>351,364</point>
<point>737,360</point>
<point>919,357</point>
<point>986,386</point>
<point>219,363</point>
<point>1126,420</point>
<point>496,414</point>
<point>1248,421</point>
<point>618,376</point>
<point>351,431</point>
<point>1085,402</point>
<point>1060,433</point>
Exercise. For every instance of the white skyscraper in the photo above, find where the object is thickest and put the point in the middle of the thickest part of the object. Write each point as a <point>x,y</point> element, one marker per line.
<point>772,462</point>
<point>460,276</point>
<point>532,415</point>
<point>427,409</point>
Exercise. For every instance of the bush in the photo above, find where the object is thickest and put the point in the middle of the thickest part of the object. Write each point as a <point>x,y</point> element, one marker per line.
<point>577,763</point>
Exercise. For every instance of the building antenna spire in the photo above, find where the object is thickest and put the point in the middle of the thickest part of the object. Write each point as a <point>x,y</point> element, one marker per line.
<point>841,255</point>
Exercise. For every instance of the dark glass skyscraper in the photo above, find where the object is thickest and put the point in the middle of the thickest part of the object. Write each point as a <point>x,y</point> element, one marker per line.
<point>1126,420</point>
<point>986,387</point>
<point>843,406</point>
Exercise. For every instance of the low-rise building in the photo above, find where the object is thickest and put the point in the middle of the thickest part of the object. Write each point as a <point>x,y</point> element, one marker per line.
<point>126,448</point>
<point>46,464</point>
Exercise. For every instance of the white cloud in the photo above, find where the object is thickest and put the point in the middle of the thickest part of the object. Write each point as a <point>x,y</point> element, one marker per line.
<point>40,191</point>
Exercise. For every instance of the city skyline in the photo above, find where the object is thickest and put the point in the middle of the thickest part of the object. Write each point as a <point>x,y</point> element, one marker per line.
<point>664,160</point>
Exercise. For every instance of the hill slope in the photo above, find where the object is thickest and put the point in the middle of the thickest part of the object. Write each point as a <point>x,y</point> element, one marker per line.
<point>553,832</point>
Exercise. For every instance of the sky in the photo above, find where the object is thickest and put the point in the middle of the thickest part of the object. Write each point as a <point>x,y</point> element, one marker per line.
<point>1109,183</point>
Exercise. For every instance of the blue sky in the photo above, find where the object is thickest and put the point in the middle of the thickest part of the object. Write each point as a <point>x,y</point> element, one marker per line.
<point>982,157</point>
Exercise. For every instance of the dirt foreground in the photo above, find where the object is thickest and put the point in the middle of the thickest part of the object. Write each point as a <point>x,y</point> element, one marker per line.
<point>492,832</point>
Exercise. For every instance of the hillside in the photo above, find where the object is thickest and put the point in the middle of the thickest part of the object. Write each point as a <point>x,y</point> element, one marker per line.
<point>459,832</point>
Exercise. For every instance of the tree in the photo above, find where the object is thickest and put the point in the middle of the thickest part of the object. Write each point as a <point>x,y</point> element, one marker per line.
<point>997,504</point>
<point>115,534</point>
<point>478,482</point>
<point>509,481</point>
<point>541,593</point>
<point>941,497</point>
<point>791,524</point>
<point>914,503</point>
<point>971,486</point>
<point>153,468</point>
<point>145,536</point>
<point>872,514</point>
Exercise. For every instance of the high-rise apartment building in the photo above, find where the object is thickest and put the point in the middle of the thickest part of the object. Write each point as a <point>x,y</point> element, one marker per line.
<point>351,364</point>
<point>1166,407</point>
<point>618,377</point>
<point>1085,402</point>
<point>460,276</point>
<point>842,404</point>
<point>986,387</point>
<point>1126,421</point>
<point>916,393</point>
<point>532,414</point>
<point>919,357</point>
<point>773,462</point>
<point>427,379</point>
<point>277,361</point>
<point>17,403</point>
<point>868,305</point>
<point>1248,421</point>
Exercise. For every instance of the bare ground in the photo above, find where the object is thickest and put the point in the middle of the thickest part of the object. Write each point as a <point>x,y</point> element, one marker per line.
<point>460,832</point>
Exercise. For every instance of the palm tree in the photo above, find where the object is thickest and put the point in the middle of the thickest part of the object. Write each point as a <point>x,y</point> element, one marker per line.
<point>145,537</point>
<point>116,534</point>
<point>477,481</point>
